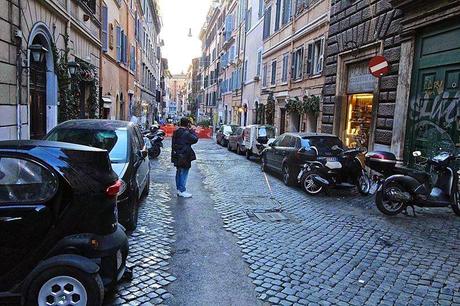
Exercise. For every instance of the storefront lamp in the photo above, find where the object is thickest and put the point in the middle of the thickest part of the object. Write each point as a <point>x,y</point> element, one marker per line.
<point>38,52</point>
<point>73,66</point>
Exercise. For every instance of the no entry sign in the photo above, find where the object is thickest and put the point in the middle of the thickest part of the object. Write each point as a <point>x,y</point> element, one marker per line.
<point>378,66</point>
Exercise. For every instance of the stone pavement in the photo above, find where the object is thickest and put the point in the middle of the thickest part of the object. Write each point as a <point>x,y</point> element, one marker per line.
<point>330,250</point>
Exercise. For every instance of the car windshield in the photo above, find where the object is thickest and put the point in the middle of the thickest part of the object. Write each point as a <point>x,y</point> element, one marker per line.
<point>267,131</point>
<point>115,142</point>
<point>229,129</point>
<point>323,144</point>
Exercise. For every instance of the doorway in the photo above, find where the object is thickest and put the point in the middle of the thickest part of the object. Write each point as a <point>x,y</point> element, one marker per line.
<point>295,122</point>
<point>282,121</point>
<point>37,99</point>
<point>359,120</point>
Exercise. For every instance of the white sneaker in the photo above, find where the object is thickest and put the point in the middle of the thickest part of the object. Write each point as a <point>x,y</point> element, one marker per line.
<point>184,194</point>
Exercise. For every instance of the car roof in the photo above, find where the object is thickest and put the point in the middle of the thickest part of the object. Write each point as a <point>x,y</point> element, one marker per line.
<point>99,124</point>
<point>310,134</point>
<point>30,144</point>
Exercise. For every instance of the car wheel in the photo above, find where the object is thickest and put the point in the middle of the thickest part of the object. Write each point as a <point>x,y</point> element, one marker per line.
<point>456,202</point>
<point>385,205</point>
<point>238,150</point>
<point>146,190</point>
<point>134,216</point>
<point>248,154</point>
<point>263,163</point>
<point>287,176</point>
<point>65,286</point>
<point>308,184</point>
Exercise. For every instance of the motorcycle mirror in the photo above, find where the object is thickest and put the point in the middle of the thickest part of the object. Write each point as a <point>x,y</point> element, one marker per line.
<point>416,153</point>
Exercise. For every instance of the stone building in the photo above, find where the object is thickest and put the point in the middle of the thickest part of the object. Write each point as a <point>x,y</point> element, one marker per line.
<point>357,106</point>
<point>193,87</point>
<point>293,58</point>
<point>29,84</point>
<point>427,111</point>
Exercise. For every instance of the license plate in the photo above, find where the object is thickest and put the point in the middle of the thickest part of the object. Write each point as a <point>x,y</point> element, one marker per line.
<point>373,188</point>
<point>119,259</point>
<point>331,159</point>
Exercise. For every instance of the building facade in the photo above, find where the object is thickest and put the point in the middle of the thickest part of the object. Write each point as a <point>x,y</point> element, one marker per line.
<point>62,32</point>
<point>293,58</point>
<point>359,107</point>
<point>193,88</point>
<point>177,89</point>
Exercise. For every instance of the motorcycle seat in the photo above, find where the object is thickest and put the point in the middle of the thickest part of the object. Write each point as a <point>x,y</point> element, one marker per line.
<point>333,165</point>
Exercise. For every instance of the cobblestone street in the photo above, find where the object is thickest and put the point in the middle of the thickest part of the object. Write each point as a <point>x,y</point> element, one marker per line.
<point>330,250</point>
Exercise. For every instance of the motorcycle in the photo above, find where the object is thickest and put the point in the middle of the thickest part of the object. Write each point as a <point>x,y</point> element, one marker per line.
<point>154,142</point>
<point>345,170</point>
<point>401,187</point>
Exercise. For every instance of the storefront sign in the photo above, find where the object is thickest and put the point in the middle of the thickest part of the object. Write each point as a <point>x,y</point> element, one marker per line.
<point>359,79</point>
<point>378,66</point>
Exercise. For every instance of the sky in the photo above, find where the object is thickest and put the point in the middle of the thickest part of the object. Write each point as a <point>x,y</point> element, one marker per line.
<point>178,17</point>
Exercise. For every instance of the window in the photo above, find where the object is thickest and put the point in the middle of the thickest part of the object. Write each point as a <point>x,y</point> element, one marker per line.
<point>265,76</point>
<point>261,8</point>
<point>105,27</point>
<point>133,59</point>
<point>277,15</point>
<point>248,19</point>
<point>286,11</point>
<point>118,44</point>
<point>245,71</point>
<point>259,62</point>
<point>297,64</point>
<point>267,22</point>
<point>315,57</point>
<point>25,181</point>
<point>273,75</point>
<point>284,76</point>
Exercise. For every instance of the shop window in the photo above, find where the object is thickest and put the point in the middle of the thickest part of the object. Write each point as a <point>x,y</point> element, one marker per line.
<point>359,118</point>
<point>24,181</point>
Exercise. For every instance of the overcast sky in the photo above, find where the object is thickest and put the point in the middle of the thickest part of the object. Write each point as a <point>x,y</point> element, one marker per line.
<point>178,16</point>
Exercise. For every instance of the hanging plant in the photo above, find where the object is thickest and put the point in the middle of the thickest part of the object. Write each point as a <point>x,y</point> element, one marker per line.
<point>311,105</point>
<point>294,106</point>
<point>270,109</point>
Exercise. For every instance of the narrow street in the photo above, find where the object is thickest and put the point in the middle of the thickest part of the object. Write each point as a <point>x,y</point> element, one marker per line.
<point>217,249</point>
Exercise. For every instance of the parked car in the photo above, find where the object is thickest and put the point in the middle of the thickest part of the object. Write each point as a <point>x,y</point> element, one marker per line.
<point>235,141</point>
<point>128,155</point>
<point>60,242</point>
<point>290,151</point>
<point>224,132</point>
<point>256,138</point>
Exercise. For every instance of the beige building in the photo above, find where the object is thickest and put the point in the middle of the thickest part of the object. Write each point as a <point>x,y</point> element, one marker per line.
<point>293,58</point>
<point>54,29</point>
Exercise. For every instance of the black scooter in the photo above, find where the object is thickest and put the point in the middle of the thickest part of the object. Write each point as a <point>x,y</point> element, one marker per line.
<point>155,142</point>
<point>345,170</point>
<point>410,188</point>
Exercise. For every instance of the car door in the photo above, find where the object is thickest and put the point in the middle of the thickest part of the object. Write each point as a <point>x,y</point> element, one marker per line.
<point>282,152</point>
<point>26,188</point>
<point>271,152</point>
<point>141,164</point>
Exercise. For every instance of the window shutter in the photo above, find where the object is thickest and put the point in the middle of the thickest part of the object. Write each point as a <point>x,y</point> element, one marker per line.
<point>267,22</point>
<point>310,60</point>
<point>277,15</point>
<point>118,44</point>
<point>126,49</point>
<point>105,25</point>
<point>321,56</point>
<point>293,63</point>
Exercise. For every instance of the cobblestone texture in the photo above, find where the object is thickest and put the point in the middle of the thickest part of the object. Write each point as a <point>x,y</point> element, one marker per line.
<point>150,251</point>
<point>336,249</point>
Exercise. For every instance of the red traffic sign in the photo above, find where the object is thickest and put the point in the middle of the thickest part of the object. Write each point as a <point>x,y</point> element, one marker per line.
<point>378,66</point>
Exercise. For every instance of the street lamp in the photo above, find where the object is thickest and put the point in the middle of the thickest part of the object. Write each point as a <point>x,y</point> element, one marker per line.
<point>38,52</point>
<point>73,66</point>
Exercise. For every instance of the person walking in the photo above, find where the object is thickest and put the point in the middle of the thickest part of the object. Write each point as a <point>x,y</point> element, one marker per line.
<point>182,154</point>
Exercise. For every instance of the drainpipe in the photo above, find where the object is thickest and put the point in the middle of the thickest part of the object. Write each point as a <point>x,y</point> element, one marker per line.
<point>243,25</point>
<point>18,68</point>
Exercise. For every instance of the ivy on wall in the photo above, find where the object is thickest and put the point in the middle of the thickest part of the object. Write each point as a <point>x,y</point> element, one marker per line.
<point>69,86</point>
<point>308,105</point>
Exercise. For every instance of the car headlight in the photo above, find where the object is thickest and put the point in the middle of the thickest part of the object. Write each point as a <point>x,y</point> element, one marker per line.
<point>122,188</point>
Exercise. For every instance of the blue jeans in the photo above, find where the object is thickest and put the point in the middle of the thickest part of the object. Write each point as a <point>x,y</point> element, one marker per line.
<point>181,179</point>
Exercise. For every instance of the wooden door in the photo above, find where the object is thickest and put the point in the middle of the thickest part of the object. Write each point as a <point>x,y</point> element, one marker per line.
<point>37,100</point>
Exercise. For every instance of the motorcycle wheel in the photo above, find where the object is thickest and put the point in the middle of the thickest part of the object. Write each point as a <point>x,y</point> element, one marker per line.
<point>364,184</point>
<point>156,152</point>
<point>308,185</point>
<point>386,206</point>
<point>456,202</point>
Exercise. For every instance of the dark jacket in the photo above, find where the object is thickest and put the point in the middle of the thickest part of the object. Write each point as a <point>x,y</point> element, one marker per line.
<point>182,142</point>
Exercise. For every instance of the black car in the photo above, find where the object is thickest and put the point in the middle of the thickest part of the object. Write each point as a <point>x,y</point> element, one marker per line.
<point>60,242</point>
<point>290,151</point>
<point>128,155</point>
<point>224,132</point>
